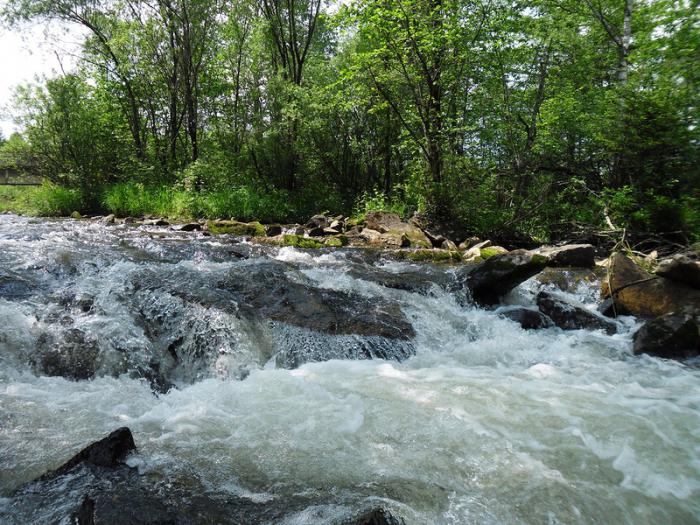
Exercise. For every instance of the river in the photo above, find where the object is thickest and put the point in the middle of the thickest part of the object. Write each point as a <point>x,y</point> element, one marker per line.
<point>462,416</point>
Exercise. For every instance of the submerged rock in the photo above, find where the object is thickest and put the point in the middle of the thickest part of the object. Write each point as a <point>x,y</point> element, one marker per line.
<point>645,295</point>
<point>673,336</point>
<point>377,517</point>
<point>570,316</point>
<point>528,318</point>
<point>494,278</point>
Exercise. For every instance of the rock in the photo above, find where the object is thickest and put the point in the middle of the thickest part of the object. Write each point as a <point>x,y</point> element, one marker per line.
<point>527,318</point>
<point>468,243</point>
<point>475,250</point>
<point>610,308</point>
<point>108,219</point>
<point>273,230</point>
<point>108,452</point>
<point>434,255</point>
<point>568,315</point>
<point>449,245</point>
<point>497,276</point>
<point>76,215</point>
<point>318,221</point>
<point>644,295</point>
<point>574,255</point>
<point>681,268</point>
<point>376,517</point>
<point>336,241</point>
<point>435,239</point>
<point>156,222</point>
<point>14,286</point>
<point>395,232</point>
<point>570,279</point>
<point>672,336</point>
<point>236,228</point>
<point>337,224</point>
<point>316,232</point>
<point>330,231</point>
<point>190,227</point>
<point>299,241</point>
<point>74,355</point>
<point>490,251</point>
<point>129,220</point>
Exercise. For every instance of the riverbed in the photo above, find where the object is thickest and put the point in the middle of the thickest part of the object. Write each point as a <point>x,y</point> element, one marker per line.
<point>465,418</point>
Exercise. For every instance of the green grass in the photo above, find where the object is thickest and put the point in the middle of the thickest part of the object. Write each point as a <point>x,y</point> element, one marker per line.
<point>47,200</point>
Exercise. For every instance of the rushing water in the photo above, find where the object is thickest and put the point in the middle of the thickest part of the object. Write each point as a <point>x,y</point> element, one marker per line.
<point>483,423</point>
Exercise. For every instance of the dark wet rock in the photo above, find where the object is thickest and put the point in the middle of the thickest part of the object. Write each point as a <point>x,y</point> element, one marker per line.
<point>646,295</point>
<point>270,292</point>
<point>527,318</point>
<point>73,355</point>
<point>273,230</point>
<point>319,221</point>
<point>376,517</point>
<point>681,268</point>
<point>672,336</point>
<point>573,255</point>
<point>14,286</point>
<point>108,452</point>
<point>494,278</point>
<point>190,227</point>
<point>568,315</point>
<point>317,232</point>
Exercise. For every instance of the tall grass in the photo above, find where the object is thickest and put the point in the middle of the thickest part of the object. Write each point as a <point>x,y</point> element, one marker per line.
<point>47,200</point>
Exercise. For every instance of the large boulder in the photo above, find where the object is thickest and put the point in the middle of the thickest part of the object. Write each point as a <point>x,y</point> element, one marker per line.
<point>395,232</point>
<point>571,255</point>
<point>673,336</point>
<point>239,229</point>
<point>681,268</point>
<point>499,274</point>
<point>569,315</point>
<point>642,294</point>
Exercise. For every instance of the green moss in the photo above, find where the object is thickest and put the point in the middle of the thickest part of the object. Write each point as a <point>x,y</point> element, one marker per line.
<point>242,229</point>
<point>336,241</point>
<point>490,252</point>
<point>76,215</point>
<point>540,259</point>
<point>299,241</point>
<point>428,255</point>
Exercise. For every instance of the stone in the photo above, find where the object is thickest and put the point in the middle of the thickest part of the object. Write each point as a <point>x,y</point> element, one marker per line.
<point>236,228</point>
<point>469,242</point>
<point>337,224</point>
<point>316,232</point>
<point>570,255</point>
<point>318,221</point>
<point>330,231</point>
<point>395,232</point>
<point>108,219</point>
<point>642,294</point>
<point>681,268</point>
<point>475,250</point>
<point>76,215</point>
<point>73,355</point>
<point>610,308</point>
<point>498,275</point>
<point>108,452</point>
<point>190,227</point>
<point>568,315</point>
<point>490,251</point>
<point>672,336</point>
<point>299,241</point>
<point>449,245</point>
<point>273,230</point>
<point>527,318</point>
<point>376,517</point>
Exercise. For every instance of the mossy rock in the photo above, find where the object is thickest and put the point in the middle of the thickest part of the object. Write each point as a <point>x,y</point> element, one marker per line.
<point>76,215</point>
<point>491,251</point>
<point>337,241</point>
<point>239,229</point>
<point>435,256</point>
<point>299,241</point>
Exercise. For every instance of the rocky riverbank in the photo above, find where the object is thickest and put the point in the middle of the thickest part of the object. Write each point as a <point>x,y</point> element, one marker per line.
<point>664,292</point>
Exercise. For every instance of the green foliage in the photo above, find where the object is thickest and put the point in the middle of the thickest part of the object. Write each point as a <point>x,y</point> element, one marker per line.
<point>47,200</point>
<point>377,200</point>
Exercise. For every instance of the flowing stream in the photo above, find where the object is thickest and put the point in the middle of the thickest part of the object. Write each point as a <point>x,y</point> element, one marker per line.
<point>460,416</point>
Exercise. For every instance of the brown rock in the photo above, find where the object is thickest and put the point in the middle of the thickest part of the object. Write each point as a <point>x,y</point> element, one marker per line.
<point>681,268</point>
<point>396,232</point>
<point>643,294</point>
